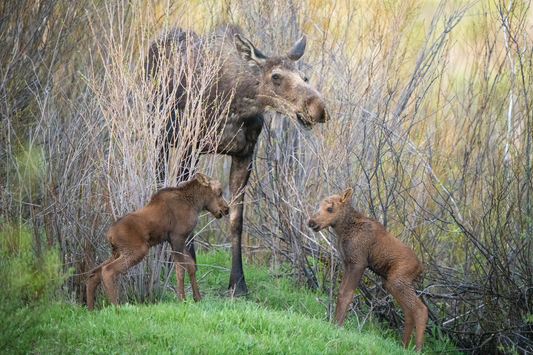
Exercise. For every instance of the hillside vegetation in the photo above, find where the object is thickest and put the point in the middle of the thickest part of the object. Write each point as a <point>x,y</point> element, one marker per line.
<point>276,318</point>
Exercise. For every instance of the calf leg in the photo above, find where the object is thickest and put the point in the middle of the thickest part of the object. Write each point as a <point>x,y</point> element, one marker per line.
<point>184,261</point>
<point>190,248</point>
<point>119,266</point>
<point>180,274</point>
<point>350,279</point>
<point>94,279</point>
<point>421,318</point>
<point>414,310</point>
<point>190,265</point>
<point>178,248</point>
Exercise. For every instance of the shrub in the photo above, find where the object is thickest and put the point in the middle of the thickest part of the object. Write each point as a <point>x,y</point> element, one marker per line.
<point>27,279</point>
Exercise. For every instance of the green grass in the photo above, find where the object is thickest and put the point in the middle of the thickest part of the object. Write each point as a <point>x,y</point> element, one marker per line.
<point>277,318</point>
<point>211,327</point>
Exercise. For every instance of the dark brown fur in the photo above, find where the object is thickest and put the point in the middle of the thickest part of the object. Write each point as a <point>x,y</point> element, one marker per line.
<point>254,82</point>
<point>363,242</point>
<point>170,215</point>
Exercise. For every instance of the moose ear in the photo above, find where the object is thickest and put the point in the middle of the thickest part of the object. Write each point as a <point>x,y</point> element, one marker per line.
<point>203,179</point>
<point>298,50</point>
<point>248,52</point>
<point>346,194</point>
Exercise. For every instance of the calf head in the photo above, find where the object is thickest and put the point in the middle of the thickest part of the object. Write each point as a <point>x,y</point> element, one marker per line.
<point>214,201</point>
<point>330,211</point>
<point>282,86</point>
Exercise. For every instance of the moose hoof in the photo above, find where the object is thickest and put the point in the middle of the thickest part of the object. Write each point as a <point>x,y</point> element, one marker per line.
<point>238,290</point>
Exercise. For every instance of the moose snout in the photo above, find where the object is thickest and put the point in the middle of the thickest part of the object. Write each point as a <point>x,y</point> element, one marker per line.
<point>316,106</point>
<point>313,225</point>
<point>224,212</point>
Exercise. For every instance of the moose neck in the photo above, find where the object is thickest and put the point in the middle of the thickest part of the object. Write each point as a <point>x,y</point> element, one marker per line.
<point>348,220</point>
<point>247,100</point>
<point>193,194</point>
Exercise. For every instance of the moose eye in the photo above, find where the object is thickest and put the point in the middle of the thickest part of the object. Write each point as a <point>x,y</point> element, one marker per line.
<point>330,210</point>
<point>220,194</point>
<point>306,80</point>
<point>275,77</point>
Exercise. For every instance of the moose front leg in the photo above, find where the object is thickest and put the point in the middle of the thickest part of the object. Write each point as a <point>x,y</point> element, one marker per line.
<point>239,174</point>
<point>350,280</point>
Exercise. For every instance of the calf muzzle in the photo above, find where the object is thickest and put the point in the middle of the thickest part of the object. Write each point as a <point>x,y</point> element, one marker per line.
<point>312,224</point>
<point>224,212</point>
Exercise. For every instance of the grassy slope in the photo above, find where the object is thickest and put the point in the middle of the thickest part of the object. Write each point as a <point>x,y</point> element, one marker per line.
<point>211,327</point>
<point>276,319</point>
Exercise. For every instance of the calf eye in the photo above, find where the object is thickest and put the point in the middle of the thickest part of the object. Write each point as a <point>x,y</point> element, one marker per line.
<point>330,210</point>
<point>306,80</point>
<point>220,194</point>
<point>275,77</point>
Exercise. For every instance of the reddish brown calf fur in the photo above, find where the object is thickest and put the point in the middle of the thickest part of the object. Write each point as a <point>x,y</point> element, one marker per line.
<point>363,242</point>
<point>170,215</point>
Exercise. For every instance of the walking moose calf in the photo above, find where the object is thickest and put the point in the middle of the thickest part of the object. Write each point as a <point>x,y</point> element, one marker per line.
<point>363,242</point>
<point>170,215</point>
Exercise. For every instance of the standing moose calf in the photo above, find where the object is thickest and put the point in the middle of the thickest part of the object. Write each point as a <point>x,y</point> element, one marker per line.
<point>363,242</point>
<point>170,215</point>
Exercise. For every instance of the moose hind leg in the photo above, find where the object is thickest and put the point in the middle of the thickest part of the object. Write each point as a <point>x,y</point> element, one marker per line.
<point>117,267</point>
<point>179,261</point>
<point>190,265</point>
<point>414,310</point>
<point>421,318</point>
<point>94,279</point>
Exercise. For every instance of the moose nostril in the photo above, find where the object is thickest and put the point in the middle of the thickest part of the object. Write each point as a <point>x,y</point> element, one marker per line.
<point>312,224</point>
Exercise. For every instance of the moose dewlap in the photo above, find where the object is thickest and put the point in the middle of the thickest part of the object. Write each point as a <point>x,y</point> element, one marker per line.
<point>170,216</point>
<point>363,242</point>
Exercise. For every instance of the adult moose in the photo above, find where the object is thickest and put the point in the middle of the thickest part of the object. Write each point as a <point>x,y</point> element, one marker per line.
<point>251,82</point>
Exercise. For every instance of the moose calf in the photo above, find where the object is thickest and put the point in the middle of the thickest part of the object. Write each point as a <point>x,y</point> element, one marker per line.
<point>170,215</point>
<point>364,242</point>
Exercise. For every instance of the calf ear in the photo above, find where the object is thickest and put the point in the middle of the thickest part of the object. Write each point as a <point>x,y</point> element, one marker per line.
<point>248,52</point>
<point>202,179</point>
<point>346,194</point>
<point>298,50</point>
